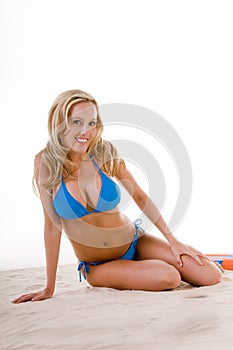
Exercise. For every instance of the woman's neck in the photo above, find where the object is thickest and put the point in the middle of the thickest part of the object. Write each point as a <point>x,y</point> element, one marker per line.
<point>77,157</point>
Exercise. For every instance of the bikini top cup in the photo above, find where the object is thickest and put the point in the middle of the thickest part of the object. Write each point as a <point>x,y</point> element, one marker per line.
<point>67,207</point>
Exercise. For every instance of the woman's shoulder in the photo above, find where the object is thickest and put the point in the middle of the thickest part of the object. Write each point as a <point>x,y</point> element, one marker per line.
<point>39,160</point>
<point>39,155</point>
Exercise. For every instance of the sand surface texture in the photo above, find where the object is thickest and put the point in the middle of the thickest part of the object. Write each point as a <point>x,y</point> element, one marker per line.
<point>82,317</point>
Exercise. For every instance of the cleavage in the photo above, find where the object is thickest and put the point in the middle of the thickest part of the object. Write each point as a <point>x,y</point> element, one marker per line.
<point>86,188</point>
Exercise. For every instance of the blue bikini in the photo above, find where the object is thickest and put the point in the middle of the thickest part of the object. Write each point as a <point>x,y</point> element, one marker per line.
<point>129,255</point>
<point>67,207</point>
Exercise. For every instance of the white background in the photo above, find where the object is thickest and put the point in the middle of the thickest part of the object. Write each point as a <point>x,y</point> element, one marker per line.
<point>173,57</point>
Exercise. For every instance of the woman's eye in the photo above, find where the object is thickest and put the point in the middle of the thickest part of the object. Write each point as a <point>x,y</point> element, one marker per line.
<point>77,122</point>
<point>92,123</point>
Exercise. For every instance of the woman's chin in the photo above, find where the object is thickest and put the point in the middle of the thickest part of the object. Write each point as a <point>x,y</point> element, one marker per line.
<point>79,149</point>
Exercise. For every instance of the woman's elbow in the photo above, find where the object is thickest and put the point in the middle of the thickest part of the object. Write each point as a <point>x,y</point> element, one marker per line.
<point>140,198</point>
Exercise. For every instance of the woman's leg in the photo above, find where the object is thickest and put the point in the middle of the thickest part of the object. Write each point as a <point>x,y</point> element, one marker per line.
<point>148,275</point>
<point>150,247</point>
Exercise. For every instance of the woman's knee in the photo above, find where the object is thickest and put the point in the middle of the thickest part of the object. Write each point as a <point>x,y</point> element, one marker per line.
<point>206,275</point>
<point>170,278</point>
<point>211,276</point>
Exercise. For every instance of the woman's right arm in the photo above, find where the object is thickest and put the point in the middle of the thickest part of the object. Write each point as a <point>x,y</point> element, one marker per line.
<point>52,238</point>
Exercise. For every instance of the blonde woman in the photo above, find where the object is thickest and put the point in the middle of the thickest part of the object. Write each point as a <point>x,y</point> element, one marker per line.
<point>75,175</point>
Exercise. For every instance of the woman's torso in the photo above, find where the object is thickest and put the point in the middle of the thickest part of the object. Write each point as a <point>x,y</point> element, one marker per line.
<point>96,235</point>
<point>101,236</point>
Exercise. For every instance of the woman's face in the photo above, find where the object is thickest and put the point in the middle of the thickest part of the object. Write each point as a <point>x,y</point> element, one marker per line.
<point>82,127</point>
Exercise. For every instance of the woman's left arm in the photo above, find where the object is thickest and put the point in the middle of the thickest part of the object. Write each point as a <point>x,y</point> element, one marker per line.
<point>148,207</point>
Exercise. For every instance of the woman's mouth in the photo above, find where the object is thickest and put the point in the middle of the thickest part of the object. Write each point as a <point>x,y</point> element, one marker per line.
<point>81,140</point>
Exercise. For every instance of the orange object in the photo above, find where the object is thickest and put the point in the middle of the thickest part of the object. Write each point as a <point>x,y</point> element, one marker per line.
<point>226,260</point>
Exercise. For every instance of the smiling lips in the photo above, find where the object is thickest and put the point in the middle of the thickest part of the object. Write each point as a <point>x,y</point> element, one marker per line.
<point>81,140</point>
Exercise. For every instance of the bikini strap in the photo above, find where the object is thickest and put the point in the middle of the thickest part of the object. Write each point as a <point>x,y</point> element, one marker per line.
<point>86,269</point>
<point>96,164</point>
<point>137,224</point>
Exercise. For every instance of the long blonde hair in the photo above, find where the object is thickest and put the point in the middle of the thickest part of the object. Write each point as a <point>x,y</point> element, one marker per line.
<point>55,155</point>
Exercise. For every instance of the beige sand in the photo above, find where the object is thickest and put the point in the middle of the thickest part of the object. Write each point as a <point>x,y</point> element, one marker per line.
<point>82,317</point>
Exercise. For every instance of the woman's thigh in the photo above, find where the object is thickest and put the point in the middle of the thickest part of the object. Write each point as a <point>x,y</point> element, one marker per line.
<point>150,247</point>
<point>148,275</point>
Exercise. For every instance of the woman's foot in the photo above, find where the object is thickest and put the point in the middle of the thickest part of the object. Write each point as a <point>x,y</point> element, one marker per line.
<point>219,266</point>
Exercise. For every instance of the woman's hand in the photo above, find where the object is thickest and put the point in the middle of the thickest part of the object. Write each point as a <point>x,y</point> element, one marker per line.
<point>36,296</point>
<point>179,249</point>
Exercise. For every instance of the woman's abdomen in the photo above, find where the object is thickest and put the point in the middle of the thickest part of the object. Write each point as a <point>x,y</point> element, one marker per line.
<point>100,236</point>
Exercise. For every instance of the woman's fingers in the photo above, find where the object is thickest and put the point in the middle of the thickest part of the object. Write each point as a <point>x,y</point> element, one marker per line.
<point>196,255</point>
<point>36,296</point>
<point>208,259</point>
<point>179,259</point>
<point>200,254</point>
<point>191,255</point>
<point>23,298</point>
<point>180,250</point>
<point>198,260</point>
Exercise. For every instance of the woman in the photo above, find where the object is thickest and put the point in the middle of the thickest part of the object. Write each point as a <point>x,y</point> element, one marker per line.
<point>74,175</point>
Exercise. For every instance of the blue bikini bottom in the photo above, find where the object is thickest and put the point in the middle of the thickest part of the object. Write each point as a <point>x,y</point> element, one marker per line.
<point>129,255</point>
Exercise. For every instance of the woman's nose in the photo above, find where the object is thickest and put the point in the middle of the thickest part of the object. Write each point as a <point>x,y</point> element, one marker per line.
<point>85,129</point>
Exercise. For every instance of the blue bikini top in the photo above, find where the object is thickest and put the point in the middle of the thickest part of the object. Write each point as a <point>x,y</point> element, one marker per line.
<point>67,207</point>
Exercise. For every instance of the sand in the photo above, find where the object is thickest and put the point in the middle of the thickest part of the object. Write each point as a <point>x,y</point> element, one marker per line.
<point>83,317</point>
